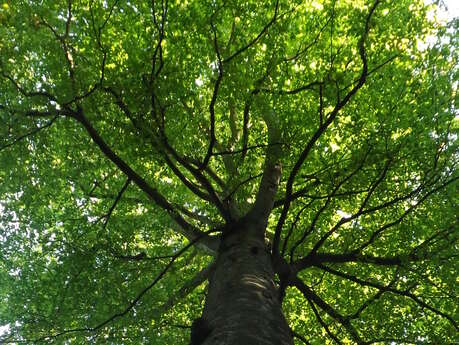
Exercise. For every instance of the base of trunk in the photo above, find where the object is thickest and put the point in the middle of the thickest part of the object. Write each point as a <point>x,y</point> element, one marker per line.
<point>242,306</point>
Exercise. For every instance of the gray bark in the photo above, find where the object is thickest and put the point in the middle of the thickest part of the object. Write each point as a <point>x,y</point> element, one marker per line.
<point>243,305</point>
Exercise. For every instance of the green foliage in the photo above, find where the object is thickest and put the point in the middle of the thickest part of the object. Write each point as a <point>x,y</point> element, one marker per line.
<point>76,252</point>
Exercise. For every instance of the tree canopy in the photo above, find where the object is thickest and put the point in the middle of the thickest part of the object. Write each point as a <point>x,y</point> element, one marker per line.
<point>132,132</point>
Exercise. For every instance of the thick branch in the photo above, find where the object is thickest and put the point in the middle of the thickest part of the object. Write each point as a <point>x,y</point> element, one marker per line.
<point>319,258</point>
<point>166,149</point>
<point>131,304</point>
<point>312,296</point>
<point>28,134</point>
<point>299,336</point>
<point>331,117</point>
<point>324,207</point>
<point>256,39</point>
<point>212,103</point>
<point>197,173</point>
<point>272,172</point>
<point>188,287</point>
<point>388,288</point>
<point>323,324</point>
<point>344,220</point>
<point>187,229</point>
<point>117,199</point>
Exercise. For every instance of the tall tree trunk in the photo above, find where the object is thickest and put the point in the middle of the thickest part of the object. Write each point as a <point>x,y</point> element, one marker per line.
<point>242,305</point>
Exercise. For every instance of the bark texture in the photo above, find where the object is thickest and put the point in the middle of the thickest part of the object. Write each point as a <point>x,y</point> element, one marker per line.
<point>242,306</point>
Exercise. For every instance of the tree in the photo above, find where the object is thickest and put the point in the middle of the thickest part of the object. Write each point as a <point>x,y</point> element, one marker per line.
<point>279,172</point>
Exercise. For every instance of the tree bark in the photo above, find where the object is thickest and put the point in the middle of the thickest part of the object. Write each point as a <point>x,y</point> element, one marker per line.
<point>242,305</point>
